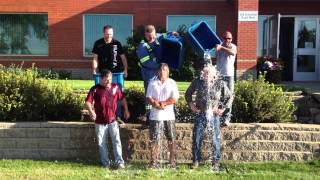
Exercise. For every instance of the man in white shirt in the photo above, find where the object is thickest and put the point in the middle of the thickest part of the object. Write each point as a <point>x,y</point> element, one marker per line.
<point>162,94</point>
<point>226,55</point>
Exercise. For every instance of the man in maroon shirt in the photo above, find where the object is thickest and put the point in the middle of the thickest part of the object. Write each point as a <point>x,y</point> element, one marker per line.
<point>104,96</point>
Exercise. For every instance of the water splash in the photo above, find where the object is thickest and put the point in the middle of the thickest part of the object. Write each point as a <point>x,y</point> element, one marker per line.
<point>213,86</point>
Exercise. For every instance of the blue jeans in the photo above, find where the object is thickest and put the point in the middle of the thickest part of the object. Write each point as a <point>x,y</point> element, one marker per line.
<point>200,124</point>
<point>229,80</point>
<point>102,131</point>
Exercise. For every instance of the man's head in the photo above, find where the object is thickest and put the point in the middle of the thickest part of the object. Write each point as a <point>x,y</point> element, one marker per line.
<point>108,33</point>
<point>150,33</point>
<point>163,71</point>
<point>209,73</point>
<point>227,38</point>
<point>106,78</point>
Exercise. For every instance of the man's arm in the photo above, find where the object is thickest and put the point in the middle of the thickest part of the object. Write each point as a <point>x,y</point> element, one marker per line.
<point>125,108</point>
<point>188,96</point>
<point>125,65</point>
<point>154,103</point>
<point>94,63</point>
<point>230,51</point>
<point>92,114</point>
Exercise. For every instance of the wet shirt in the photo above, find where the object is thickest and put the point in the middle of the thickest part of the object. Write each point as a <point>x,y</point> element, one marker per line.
<point>105,102</point>
<point>217,94</point>
<point>162,92</point>
<point>109,55</point>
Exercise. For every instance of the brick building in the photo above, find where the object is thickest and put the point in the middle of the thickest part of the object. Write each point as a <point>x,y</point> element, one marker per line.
<point>60,34</point>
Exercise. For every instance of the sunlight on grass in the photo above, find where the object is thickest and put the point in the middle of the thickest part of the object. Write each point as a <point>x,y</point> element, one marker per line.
<point>87,84</point>
<point>29,169</point>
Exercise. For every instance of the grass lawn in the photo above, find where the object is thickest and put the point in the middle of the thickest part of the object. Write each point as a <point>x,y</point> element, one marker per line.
<point>87,84</point>
<point>29,169</point>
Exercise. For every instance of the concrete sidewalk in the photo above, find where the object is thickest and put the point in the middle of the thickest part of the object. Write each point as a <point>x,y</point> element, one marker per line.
<point>311,87</point>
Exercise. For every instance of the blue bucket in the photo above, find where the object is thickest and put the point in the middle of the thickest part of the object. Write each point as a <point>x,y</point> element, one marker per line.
<point>97,78</point>
<point>171,51</point>
<point>118,78</point>
<point>202,38</point>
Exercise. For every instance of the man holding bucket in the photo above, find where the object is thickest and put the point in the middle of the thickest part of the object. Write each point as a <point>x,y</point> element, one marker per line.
<point>109,54</point>
<point>148,53</point>
<point>226,55</point>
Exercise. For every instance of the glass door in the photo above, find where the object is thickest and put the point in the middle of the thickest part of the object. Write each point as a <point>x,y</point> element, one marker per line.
<point>306,49</point>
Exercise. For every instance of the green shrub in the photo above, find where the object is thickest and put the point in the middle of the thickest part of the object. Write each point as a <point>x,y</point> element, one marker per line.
<point>183,112</point>
<point>261,102</point>
<point>136,105</point>
<point>25,97</point>
<point>54,74</point>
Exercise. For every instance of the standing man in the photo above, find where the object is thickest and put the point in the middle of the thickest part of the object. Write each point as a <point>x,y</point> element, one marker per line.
<point>212,97</point>
<point>104,96</point>
<point>226,55</point>
<point>162,94</point>
<point>148,53</point>
<point>109,54</point>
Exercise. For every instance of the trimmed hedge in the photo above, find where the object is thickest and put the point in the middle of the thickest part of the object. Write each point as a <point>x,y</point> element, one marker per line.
<point>261,102</point>
<point>25,97</point>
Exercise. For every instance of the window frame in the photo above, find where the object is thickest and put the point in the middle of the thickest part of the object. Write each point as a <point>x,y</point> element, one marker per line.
<point>99,14</point>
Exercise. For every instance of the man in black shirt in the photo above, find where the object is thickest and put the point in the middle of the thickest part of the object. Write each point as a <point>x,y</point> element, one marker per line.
<point>109,54</point>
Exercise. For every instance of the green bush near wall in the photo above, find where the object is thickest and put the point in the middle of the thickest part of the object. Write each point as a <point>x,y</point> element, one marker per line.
<point>24,97</point>
<point>261,102</point>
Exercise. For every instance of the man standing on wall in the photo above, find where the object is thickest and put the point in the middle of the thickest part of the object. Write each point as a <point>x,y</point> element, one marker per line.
<point>226,55</point>
<point>148,53</point>
<point>104,96</point>
<point>109,54</point>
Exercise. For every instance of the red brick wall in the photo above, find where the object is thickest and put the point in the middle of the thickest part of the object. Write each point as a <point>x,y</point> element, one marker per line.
<point>247,37</point>
<point>65,19</point>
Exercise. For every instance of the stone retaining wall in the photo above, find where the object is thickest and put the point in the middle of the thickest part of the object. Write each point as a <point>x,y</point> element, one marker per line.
<point>76,140</point>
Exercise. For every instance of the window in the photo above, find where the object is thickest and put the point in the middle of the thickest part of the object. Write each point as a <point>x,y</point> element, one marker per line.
<point>23,34</point>
<point>93,29</point>
<point>174,22</point>
<point>262,37</point>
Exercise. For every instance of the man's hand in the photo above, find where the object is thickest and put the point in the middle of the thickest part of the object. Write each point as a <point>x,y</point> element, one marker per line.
<point>194,109</point>
<point>175,33</point>
<point>219,111</point>
<point>126,115</point>
<point>125,72</point>
<point>218,47</point>
<point>93,116</point>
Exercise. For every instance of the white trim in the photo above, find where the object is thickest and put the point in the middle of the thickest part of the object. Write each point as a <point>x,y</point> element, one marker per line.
<point>83,29</point>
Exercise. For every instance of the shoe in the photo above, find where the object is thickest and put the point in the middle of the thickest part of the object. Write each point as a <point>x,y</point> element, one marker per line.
<point>172,165</point>
<point>153,165</point>
<point>195,165</point>
<point>215,166</point>
<point>225,124</point>
<point>121,166</point>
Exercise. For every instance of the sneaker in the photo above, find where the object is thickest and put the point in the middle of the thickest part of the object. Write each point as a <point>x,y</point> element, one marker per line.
<point>215,166</point>
<point>121,166</point>
<point>153,165</point>
<point>225,124</point>
<point>172,165</point>
<point>195,165</point>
